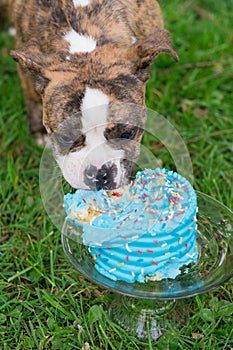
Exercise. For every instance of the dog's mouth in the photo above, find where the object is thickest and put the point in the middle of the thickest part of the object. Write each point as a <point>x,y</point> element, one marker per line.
<point>110,175</point>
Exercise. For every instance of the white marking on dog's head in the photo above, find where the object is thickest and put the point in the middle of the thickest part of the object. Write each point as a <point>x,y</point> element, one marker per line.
<point>81,3</point>
<point>79,43</point>
<point>97,153</point>
<point>133,40</point>
<point>94,98</point>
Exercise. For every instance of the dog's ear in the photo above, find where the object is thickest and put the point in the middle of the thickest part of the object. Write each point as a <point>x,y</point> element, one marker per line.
<point>144,52</point>
<point>31,58</point>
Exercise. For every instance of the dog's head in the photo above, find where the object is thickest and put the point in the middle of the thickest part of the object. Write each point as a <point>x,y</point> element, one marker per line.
<point>93,105</point>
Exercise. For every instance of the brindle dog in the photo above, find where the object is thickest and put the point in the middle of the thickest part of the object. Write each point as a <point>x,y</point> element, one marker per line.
<point>83,65</point>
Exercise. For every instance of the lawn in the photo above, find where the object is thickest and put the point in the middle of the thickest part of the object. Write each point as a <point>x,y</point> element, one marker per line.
<point>44,302</point>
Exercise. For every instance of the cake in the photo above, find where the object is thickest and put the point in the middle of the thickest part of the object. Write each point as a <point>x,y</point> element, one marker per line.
<point>145,231</point>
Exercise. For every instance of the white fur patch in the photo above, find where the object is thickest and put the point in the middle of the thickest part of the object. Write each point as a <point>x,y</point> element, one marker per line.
<point>80,43</point>
<point>94,101</point>
<point>133,40</point>
<point>97,151</point>
<point>12,31</point>
<point>82,3</point>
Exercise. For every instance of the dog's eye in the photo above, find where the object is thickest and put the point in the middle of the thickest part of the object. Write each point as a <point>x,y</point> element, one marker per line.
<point>70,141</point>
<point>121,133</point>
<point>79,142</point>
<point>64,139</point>
<point>129,134</point>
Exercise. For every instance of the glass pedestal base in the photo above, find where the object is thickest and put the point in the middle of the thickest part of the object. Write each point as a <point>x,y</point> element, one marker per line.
<point>148,318</point>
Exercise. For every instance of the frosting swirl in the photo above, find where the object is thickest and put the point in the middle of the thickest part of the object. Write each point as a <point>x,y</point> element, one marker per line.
<point>146,231</point>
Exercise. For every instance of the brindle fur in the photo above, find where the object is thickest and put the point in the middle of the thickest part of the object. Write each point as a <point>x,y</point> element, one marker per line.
<point>54,80</point>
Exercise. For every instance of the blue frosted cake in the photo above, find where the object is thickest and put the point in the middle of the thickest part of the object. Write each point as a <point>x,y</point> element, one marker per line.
<point>145,231</point>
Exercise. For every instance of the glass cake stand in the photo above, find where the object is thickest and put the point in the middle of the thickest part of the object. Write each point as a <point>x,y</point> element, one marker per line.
<point>153,306</point>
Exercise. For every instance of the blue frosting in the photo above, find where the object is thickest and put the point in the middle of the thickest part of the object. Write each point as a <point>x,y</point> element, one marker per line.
<point>146,233</point>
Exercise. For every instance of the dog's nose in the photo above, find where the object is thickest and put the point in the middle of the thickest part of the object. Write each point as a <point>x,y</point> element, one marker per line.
<point>103,178</point>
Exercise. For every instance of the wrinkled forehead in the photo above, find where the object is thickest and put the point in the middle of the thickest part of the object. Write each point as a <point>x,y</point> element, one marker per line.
<point>84,107</point>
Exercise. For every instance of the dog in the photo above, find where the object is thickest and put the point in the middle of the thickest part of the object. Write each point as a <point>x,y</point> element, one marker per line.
<point>83,66</point>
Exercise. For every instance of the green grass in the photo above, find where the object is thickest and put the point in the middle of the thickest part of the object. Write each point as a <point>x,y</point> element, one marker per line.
<point>44,302</point>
